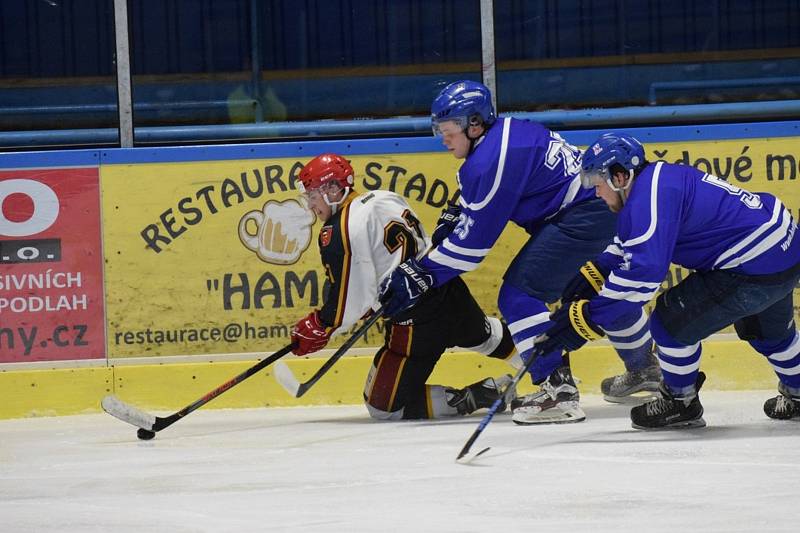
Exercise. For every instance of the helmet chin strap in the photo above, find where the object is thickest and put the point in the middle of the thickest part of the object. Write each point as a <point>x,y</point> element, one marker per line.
<point>335,205</point>
<point>624,190</point>
<point>474,141</point>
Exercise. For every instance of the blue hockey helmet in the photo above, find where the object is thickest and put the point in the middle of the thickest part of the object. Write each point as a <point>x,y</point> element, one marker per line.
<point>467,103</point>
<point>610,149</point>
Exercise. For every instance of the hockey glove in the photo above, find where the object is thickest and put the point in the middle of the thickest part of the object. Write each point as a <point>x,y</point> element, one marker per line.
<point>446,223</point>
<point>310,334</point>
<point>572,328</point>
<point>586,283</point>
<point>402,288</point>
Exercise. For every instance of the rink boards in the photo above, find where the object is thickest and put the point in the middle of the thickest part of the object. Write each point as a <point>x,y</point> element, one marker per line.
<point>127,270</point>
<point>729,364</point>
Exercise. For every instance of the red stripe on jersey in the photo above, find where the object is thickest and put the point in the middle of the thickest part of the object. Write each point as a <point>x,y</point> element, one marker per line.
<point>386,380</point>
<point>400,339</point>
<point>341,301</point>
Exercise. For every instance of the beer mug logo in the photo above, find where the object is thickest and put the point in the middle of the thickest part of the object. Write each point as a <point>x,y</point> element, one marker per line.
<point>279,233</point>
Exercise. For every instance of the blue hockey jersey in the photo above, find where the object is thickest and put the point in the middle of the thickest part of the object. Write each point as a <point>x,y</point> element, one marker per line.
<point>678,214</point>
<point>518,171</point>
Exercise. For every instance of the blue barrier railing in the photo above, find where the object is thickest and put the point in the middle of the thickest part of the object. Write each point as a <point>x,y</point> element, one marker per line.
<point>557,119</point>
<point>142,106</point>
<point>719,84</point>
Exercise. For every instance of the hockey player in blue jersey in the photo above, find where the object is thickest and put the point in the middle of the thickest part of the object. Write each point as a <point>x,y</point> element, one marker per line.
<point>746,262</point>
<point>516,170</point>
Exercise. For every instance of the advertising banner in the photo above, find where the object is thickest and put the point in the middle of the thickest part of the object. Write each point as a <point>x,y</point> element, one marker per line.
<point>51,265</point>
<point>220,256</point>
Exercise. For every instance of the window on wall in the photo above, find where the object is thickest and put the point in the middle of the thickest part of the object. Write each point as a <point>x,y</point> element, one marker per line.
<point>207,62</point>
<point>365,58</point>
<point>244,61</point>
<point>57,65</point>
<point>611,53</point>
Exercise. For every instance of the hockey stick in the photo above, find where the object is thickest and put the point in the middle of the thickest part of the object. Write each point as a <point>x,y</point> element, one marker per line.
<point>288,380</point>
<point>492,411</point>
<point>150,424</point>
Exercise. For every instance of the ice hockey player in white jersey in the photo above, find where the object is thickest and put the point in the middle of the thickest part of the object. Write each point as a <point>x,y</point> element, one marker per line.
<point>519,171</point>
<point>745,257</point>
<point>363,238</point>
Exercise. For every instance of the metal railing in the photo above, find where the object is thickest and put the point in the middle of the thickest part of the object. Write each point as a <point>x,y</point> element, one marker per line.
<point>416,126</point>
<point>719,84</point>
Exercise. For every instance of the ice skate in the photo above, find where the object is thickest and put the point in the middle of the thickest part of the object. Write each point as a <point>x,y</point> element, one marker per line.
<point>784,406</point>
<point>670,411</point>
<point>624,387</point>
<point>557,402</point>
<point>480,395</point>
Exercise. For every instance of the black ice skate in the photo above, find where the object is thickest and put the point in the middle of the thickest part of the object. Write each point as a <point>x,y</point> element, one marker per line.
<point>670,411</point>
<point>784,406</point>
<point>555,403</point>
<point>480,395</point>
<point>621,388</point>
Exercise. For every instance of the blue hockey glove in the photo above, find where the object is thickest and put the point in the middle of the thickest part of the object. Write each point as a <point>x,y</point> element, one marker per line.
<point>572,328</point>
<point>448,220</point>
<point>403,287</point>
<point>586,283</point>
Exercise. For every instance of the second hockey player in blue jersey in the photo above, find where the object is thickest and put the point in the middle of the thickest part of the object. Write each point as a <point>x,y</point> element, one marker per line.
<point>519,171</point>
<point>744,252</point>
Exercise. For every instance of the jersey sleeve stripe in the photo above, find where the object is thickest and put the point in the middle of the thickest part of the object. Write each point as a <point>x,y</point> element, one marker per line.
<point>630,296</point>
<point>501,163</point>
<point>474,252</point>
<point>624,282</point>
<point>445,260</point>
<point>653,210</point>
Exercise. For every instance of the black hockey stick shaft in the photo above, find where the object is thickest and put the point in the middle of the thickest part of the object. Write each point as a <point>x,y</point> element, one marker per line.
<point>339,353</point>
<point>496,406</point>
<point>161,423</point>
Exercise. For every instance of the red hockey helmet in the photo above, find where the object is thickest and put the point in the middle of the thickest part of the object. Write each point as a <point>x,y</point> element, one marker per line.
<point>326,168</point>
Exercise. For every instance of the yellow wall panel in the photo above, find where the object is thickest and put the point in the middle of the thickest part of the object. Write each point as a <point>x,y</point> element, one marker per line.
<point>53,392</point>
<point>729,365</point>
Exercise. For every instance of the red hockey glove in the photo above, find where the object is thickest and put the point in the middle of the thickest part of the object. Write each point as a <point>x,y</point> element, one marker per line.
<point>310,334</point>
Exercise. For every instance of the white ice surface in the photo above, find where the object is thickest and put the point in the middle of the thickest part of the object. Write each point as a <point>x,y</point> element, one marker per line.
<point>334,469</point>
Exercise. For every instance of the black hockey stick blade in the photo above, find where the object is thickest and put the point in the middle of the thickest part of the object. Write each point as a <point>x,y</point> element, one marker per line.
<point>462,455</point>
<point>475,434</point>
<point>141,419</point>
<point>287,379</point>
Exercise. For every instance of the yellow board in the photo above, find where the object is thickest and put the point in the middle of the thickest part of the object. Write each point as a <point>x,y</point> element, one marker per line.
<point>29,393</point>
<point>730,365</point>
<point>216,257</point>
<point>220,257</point>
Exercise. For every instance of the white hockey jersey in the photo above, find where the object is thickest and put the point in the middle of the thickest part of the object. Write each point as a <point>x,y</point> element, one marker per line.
<point>362,243</point>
